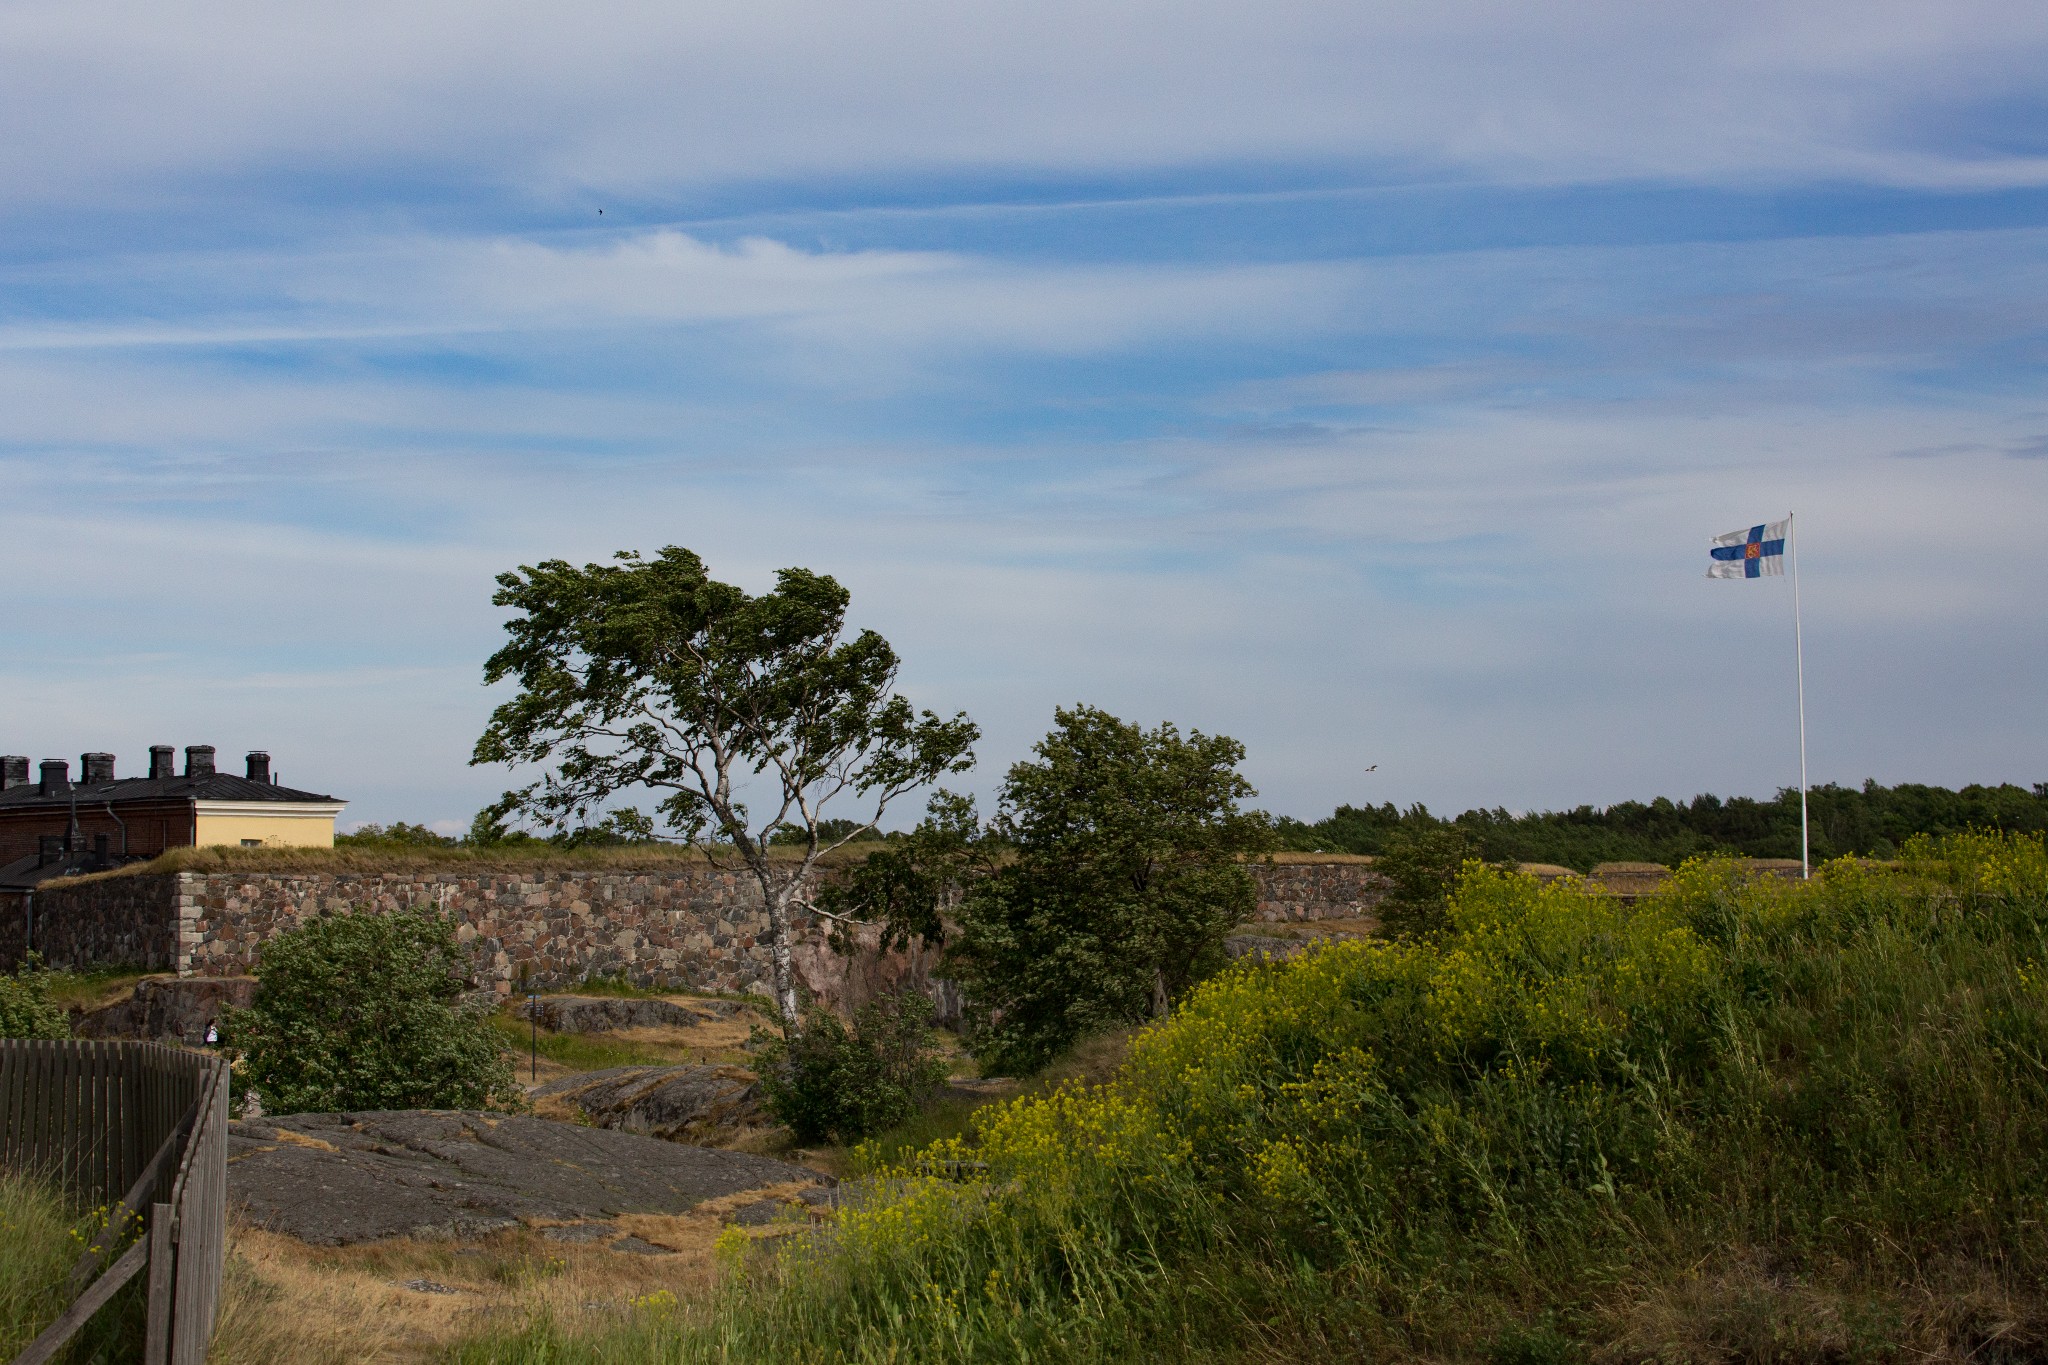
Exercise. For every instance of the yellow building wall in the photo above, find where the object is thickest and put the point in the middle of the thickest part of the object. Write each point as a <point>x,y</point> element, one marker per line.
<point>276,831</point>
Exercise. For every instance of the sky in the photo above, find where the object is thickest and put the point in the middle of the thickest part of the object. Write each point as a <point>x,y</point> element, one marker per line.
<point>1362,381</point>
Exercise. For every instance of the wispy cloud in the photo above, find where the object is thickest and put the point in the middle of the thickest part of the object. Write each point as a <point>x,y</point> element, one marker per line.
<point>1360,381</point>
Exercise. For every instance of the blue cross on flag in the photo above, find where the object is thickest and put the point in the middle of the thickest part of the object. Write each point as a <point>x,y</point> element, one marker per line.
<point>1749,554</point>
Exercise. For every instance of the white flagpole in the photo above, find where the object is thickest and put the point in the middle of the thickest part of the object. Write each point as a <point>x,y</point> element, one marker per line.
<point>1799,655</point>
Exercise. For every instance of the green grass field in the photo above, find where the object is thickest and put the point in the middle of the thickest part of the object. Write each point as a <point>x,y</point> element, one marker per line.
<point>1741,1120</point>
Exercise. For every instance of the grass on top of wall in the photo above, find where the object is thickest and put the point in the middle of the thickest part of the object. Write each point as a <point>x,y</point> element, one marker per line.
<point>459,858</point>
<point>536,857</point>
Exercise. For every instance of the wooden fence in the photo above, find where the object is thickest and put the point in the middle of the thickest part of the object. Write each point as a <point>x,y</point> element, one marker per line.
<point>139,1129</point>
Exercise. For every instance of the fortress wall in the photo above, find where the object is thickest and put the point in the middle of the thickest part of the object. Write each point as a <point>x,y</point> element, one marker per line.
<point>687,928</point>
<point>131,921</point>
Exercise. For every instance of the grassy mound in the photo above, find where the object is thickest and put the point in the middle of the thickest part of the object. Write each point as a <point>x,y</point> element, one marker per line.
<point>1743,1119</point>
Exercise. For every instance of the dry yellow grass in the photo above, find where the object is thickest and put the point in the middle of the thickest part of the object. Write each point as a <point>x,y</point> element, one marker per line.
<point>514,858</point>
<point>283,1301</point>
<point>530,858</point>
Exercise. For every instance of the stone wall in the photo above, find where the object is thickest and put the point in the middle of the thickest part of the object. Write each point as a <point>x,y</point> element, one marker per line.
<point>1309,891</point>
<point>132,921</point>
<point>687,928</point>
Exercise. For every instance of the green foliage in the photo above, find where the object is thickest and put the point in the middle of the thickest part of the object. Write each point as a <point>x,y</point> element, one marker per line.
<point>835,831</point>
<point>1870,821</point>
<point>909,886</point>
<point>650,674</point>
<point>1743,1118</point>
<point>399,835</point>
<point>366,1011</point>
<point>26,1010</point>
<point>488,829</point>
<point>1424,866</point>
<point>841,1083</point>
<point>620,828</point>
<point>1127,875</point>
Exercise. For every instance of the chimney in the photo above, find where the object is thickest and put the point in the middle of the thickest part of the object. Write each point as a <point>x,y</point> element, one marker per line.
<point>13,771</point>
<point>199,760</point>
<point>259,766</point>
<point>162,761</point>
<point>94,769</point>
<point>56,778</point>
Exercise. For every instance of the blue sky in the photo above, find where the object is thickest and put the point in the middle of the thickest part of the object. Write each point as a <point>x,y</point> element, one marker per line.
<point>1358,380</point>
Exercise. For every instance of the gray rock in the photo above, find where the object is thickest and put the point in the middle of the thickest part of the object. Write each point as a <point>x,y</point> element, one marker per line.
<point>603,1013</point>
<point>634,1244</point>
<point>168,1007</point>
<point>661,1101</point>
<point>337,1179</point>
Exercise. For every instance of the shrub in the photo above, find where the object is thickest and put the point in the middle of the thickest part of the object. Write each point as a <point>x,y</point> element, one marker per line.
<point>845,1083</point>
<point>365,1011</point>
<point>1127,876</point>
<point>26,1010</point>
<point>1562,1128</point>
<point>1423,866</point>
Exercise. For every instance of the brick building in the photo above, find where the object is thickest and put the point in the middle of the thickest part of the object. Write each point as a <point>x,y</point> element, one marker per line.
<point>51,826</point>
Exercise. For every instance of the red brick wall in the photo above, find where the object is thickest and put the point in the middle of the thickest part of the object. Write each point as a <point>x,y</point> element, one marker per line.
<point>150,828</point>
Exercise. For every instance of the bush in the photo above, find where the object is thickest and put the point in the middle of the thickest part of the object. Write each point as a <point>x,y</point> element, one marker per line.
<point>1741,1119</point>
<point>25,1007</point>
<point>365,1011</point>
<point>845,1083</point>
<point>1423,866</point>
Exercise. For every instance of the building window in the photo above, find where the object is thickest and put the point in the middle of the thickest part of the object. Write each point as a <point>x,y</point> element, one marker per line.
<point>252,843</point>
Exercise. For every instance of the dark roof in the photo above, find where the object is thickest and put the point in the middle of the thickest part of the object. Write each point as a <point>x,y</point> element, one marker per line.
<point>26,874</point>
<point>219,787</point>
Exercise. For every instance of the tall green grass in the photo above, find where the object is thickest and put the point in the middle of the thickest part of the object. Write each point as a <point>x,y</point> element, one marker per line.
<point>40,1239</point>
<point>1744,1119</point>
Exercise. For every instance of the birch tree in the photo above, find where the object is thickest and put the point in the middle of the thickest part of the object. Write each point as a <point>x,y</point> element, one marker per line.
<point>745,716</point>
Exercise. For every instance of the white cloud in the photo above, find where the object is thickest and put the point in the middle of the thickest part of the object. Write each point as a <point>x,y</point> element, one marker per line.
<point>109,101</point>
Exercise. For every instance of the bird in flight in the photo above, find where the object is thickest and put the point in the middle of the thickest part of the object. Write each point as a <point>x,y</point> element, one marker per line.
<point>1373,768</point>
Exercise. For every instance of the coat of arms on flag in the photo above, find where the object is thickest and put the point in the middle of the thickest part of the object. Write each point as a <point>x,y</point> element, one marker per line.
<point>1749,554</point>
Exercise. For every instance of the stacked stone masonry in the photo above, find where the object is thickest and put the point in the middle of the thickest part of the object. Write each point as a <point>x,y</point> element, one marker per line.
<point>689,928</point>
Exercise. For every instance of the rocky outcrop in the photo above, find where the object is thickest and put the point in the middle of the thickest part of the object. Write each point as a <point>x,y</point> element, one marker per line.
<point>603,1013</point>
<point>180,1008</point>
<point>675,1102</point>
<point>336,1179</point>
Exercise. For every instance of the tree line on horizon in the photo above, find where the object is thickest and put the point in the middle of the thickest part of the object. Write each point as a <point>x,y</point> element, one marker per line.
<point>1871,821</point>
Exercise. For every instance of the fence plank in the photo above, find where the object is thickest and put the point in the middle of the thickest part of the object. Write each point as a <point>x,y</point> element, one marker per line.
<point>156,1343</point>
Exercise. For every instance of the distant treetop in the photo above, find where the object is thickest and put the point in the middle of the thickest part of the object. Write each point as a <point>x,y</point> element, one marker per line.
<point>1871,821</point>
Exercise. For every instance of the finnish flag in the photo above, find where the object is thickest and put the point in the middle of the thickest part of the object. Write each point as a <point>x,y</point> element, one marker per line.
<point>1754,553</point>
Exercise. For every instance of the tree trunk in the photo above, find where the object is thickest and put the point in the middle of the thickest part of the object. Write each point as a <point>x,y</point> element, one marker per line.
<point>1162,1003</point>
<point>782,958</point>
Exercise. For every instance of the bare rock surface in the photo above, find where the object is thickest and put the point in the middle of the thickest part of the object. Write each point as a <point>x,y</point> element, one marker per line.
<point>660,1101</point>
<point>168,1007</point>
<point>337,1179</point>
<point>603,1013</point>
